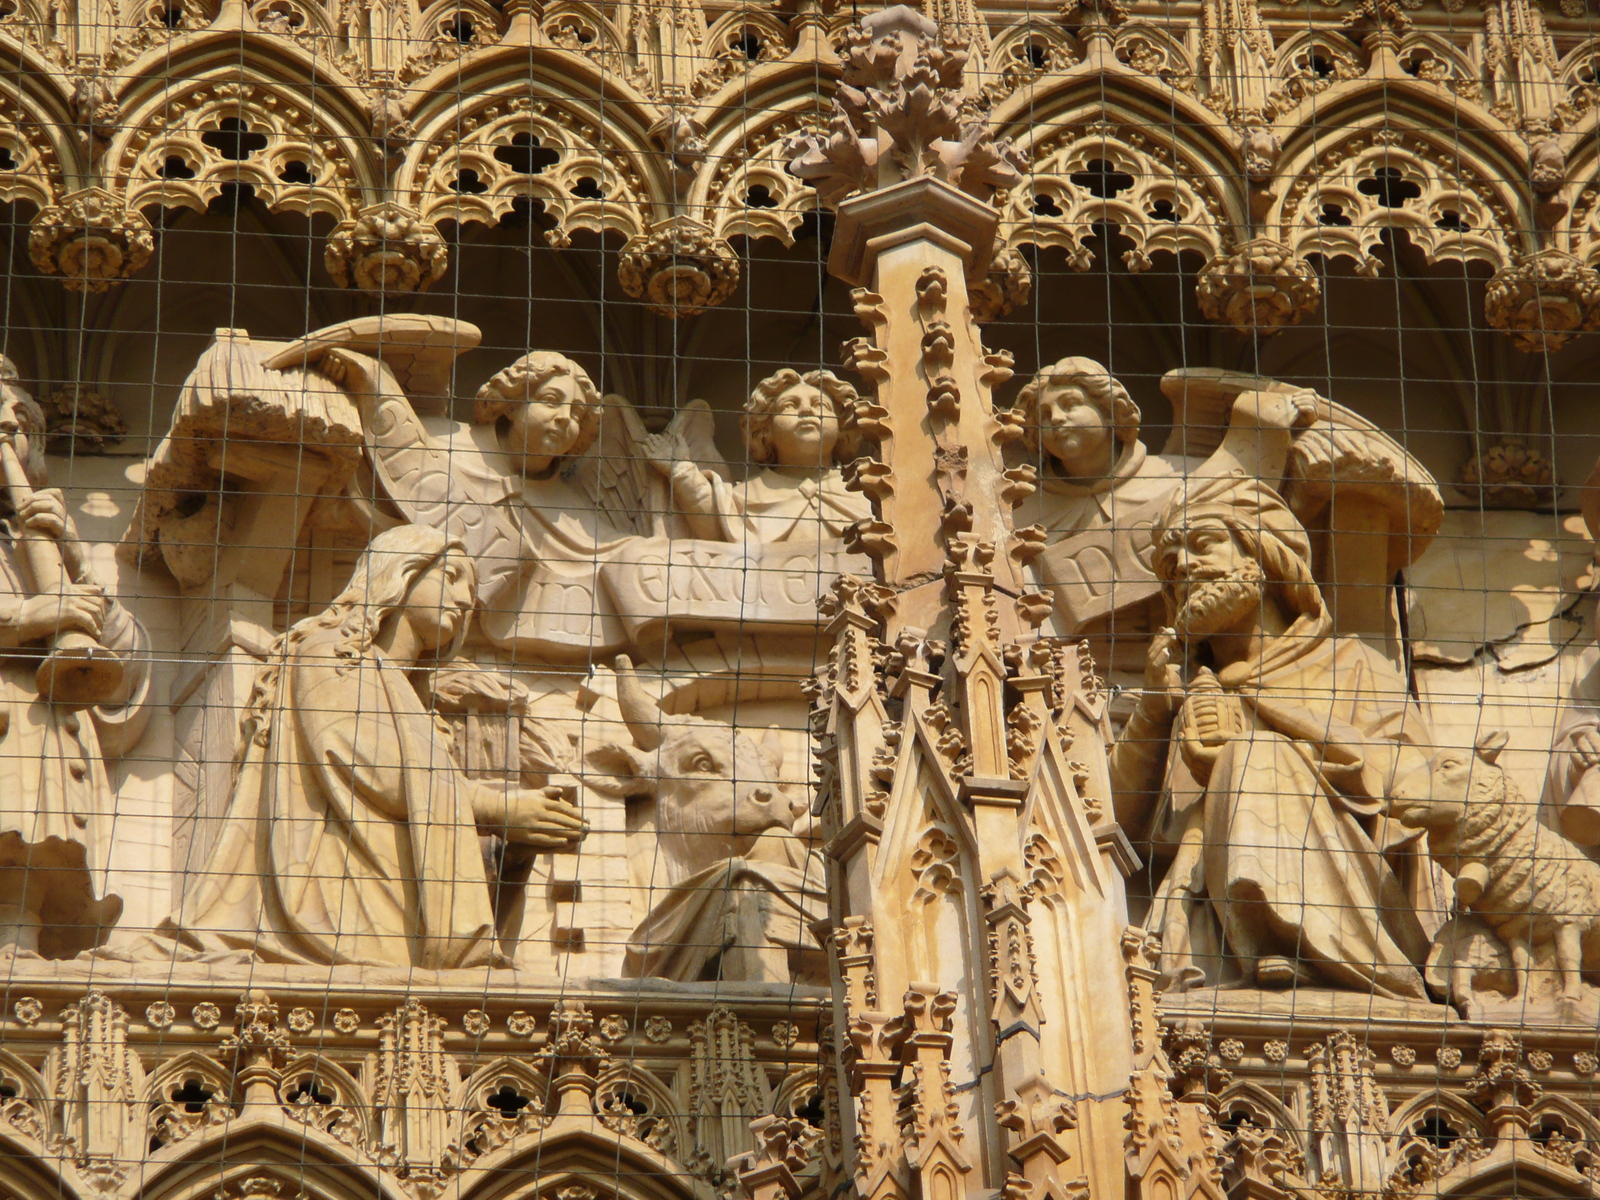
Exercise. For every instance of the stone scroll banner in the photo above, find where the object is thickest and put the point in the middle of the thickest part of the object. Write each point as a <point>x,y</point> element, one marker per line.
<point>631,594</point>
<point>762,587</point>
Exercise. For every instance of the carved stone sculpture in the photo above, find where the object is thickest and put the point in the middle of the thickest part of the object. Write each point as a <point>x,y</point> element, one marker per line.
<point>1534,888</point>
<point>741,886</point>
<point>350,835</point>
<point>680,268</point>
<point>56,806</point>
<point>91,240</point>
<point>1260,287</point>
<point>1284,745</point>
<point>1099,492</point>
<point>796,428</point>
<point>547,481</point>
<point>387,248</point>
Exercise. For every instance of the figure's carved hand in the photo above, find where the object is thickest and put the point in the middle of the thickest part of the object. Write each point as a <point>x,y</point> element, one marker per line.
<point>666,450</point>
<point>1275,410</point>
<point>1586,749</point>
<point>544,818</point>
<point>356,373</point>
<point>1163,678</point>
<point>46,512</point>
<point>80,606</point>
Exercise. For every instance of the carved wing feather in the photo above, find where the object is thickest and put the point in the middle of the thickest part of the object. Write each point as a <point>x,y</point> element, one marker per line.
<point>617,477</point>
<point>445,485</point>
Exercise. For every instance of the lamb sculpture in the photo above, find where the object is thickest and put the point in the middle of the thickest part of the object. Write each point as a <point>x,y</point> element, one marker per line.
<point>1534,889</point>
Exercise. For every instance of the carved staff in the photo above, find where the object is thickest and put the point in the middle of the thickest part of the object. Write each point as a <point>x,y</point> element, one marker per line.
<point>79,671</point>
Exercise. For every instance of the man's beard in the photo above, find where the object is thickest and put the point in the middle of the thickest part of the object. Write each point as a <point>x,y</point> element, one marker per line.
<point>1220,603</point>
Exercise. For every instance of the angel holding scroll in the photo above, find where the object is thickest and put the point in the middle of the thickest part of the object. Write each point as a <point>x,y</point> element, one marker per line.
<point>55,739</point>
<point>547,481</point>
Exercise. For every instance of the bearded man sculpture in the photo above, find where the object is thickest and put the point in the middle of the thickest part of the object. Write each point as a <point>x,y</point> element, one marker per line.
<point>351,836</point>
<point>1285,742</point>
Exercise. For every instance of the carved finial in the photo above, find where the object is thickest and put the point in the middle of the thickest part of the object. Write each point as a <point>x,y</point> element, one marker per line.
<point>898,116</point>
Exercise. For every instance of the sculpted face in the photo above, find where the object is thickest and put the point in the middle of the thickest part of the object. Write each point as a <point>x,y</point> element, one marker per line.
<point>1213,583</point>
<point>439,603</point>
<point>16,422</point>
<point>547,425</point>
<point>805,428</point>
<point>1075,431</point>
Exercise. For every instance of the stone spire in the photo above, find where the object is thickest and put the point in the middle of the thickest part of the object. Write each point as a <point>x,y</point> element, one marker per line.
<point>945,718</point>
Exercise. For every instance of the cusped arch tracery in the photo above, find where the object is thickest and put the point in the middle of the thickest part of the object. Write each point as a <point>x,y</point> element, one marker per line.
<point>1243,1100</point>
<point>474,164</point>
<point>324,1095</point>
<point>1104,173</point>
<point>546,1164</point>
<point>304,1162</point>
<point>745,188</point>
<point>1342,197</point>
<point>31,158</point>
<point>182,150</point>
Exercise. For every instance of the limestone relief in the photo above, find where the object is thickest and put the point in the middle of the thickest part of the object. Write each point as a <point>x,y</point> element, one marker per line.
<point>351,835</point>
<point>73,693</point>
<point>1262,757</point>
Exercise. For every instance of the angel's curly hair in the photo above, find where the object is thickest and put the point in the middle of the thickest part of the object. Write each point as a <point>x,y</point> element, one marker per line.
<point>1099,387</point>
<point>764,405</point>
<point>510,389</point>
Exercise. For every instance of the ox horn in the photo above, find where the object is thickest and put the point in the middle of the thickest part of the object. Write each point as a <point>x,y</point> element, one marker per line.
<point>641,714</point>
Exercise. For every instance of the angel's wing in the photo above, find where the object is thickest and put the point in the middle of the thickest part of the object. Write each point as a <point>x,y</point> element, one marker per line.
<point>616,474</point>
<point>451,485</point>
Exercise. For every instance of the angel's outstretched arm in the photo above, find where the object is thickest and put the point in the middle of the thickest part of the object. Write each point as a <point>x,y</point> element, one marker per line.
<point>1261,429</point>
<point>695,495</point>
<point>431,484</point>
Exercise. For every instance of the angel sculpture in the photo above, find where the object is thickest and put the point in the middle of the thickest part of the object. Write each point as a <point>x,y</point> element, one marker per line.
<point>797,428</point>
<point>546,482</point>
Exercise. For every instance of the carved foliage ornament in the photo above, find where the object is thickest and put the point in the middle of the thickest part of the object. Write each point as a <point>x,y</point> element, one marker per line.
<point>91,239</point>
<point>1543,299</point>
<point>898,116</point>
<point>1262,286</point>
<point>387,248</point>
<point>679,269</point>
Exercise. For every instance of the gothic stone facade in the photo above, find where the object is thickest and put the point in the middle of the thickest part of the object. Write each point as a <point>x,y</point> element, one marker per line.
<point>495,706</point>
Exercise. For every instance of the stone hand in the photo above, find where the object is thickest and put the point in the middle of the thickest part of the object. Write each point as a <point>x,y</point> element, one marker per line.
<point>80,606</point>
<point>1586,748</point>
<point>1275,410</point>
<point>544,818</point>
<point>666,450</point>
<point>1163,678</point>
<point>46,512</point>
<point>356,373</point>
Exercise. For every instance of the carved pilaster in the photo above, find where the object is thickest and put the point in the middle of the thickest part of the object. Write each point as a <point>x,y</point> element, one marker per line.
<point>413,1082</point>
<point>929,756</point>
<point>97,1080</point>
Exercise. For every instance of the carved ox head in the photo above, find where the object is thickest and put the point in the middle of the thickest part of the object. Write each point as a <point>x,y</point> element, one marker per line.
<point>715,788</point>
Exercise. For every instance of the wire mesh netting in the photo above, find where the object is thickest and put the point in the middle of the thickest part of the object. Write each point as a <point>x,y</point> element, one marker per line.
<point>673,600</point>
